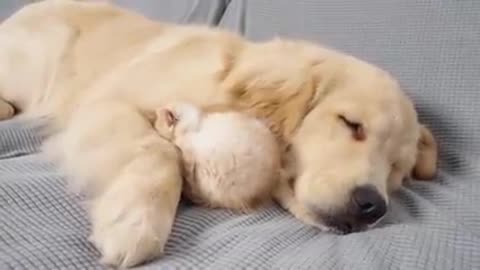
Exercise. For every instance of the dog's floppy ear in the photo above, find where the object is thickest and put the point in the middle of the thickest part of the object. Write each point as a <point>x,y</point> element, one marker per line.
<point>282,105</point>
<point>273,83</point>
<point>6,110</point>
<point>427,154</point>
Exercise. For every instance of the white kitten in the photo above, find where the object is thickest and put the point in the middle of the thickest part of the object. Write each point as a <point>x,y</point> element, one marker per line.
<point>231,160</point>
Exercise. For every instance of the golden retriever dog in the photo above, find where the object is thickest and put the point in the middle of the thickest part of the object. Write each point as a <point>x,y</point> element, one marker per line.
<point>348,134</point>
<point>230,160</point>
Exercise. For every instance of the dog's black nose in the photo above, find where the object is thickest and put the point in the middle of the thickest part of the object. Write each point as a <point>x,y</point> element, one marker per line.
<point>368,205</point>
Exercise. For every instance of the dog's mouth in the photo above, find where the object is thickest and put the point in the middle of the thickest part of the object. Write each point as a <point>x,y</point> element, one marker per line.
<point>338,226</point>
<point>344,224</point>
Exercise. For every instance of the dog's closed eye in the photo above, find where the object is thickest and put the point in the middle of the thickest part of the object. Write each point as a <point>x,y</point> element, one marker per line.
<point>357,129</point>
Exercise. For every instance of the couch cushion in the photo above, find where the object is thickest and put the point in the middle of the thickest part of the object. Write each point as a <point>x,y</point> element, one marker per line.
<point>7,7</point>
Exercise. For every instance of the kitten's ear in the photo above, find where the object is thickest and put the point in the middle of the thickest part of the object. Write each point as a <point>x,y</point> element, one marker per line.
<point>188,117</point>
<point>170,117</point>
<point>165,121</point>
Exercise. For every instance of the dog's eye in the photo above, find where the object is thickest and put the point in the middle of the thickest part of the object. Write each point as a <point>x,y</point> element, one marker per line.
<point>358,132</point>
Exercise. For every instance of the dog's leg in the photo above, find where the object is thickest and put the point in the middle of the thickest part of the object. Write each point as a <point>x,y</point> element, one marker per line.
<point>131,175</point>
<point>6,110</point>
<point>132,219</point>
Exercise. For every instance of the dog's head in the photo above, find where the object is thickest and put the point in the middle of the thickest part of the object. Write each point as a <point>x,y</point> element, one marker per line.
<point>351,135</point>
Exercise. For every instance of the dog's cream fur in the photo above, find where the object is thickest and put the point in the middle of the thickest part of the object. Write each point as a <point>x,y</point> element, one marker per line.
<point>230,160</point>
<point>94,69</point>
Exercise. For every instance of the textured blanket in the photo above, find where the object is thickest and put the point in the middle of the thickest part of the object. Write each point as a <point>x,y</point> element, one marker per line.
<point>42,226</point>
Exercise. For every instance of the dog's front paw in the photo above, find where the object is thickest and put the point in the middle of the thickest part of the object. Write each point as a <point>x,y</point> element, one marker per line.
<point>130,229</point>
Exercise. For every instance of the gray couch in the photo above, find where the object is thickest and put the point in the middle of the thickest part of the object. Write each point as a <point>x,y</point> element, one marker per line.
<point>432,46</point>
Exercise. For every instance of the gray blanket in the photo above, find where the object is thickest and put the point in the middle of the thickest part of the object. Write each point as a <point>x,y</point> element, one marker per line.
<point>431,46</point>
